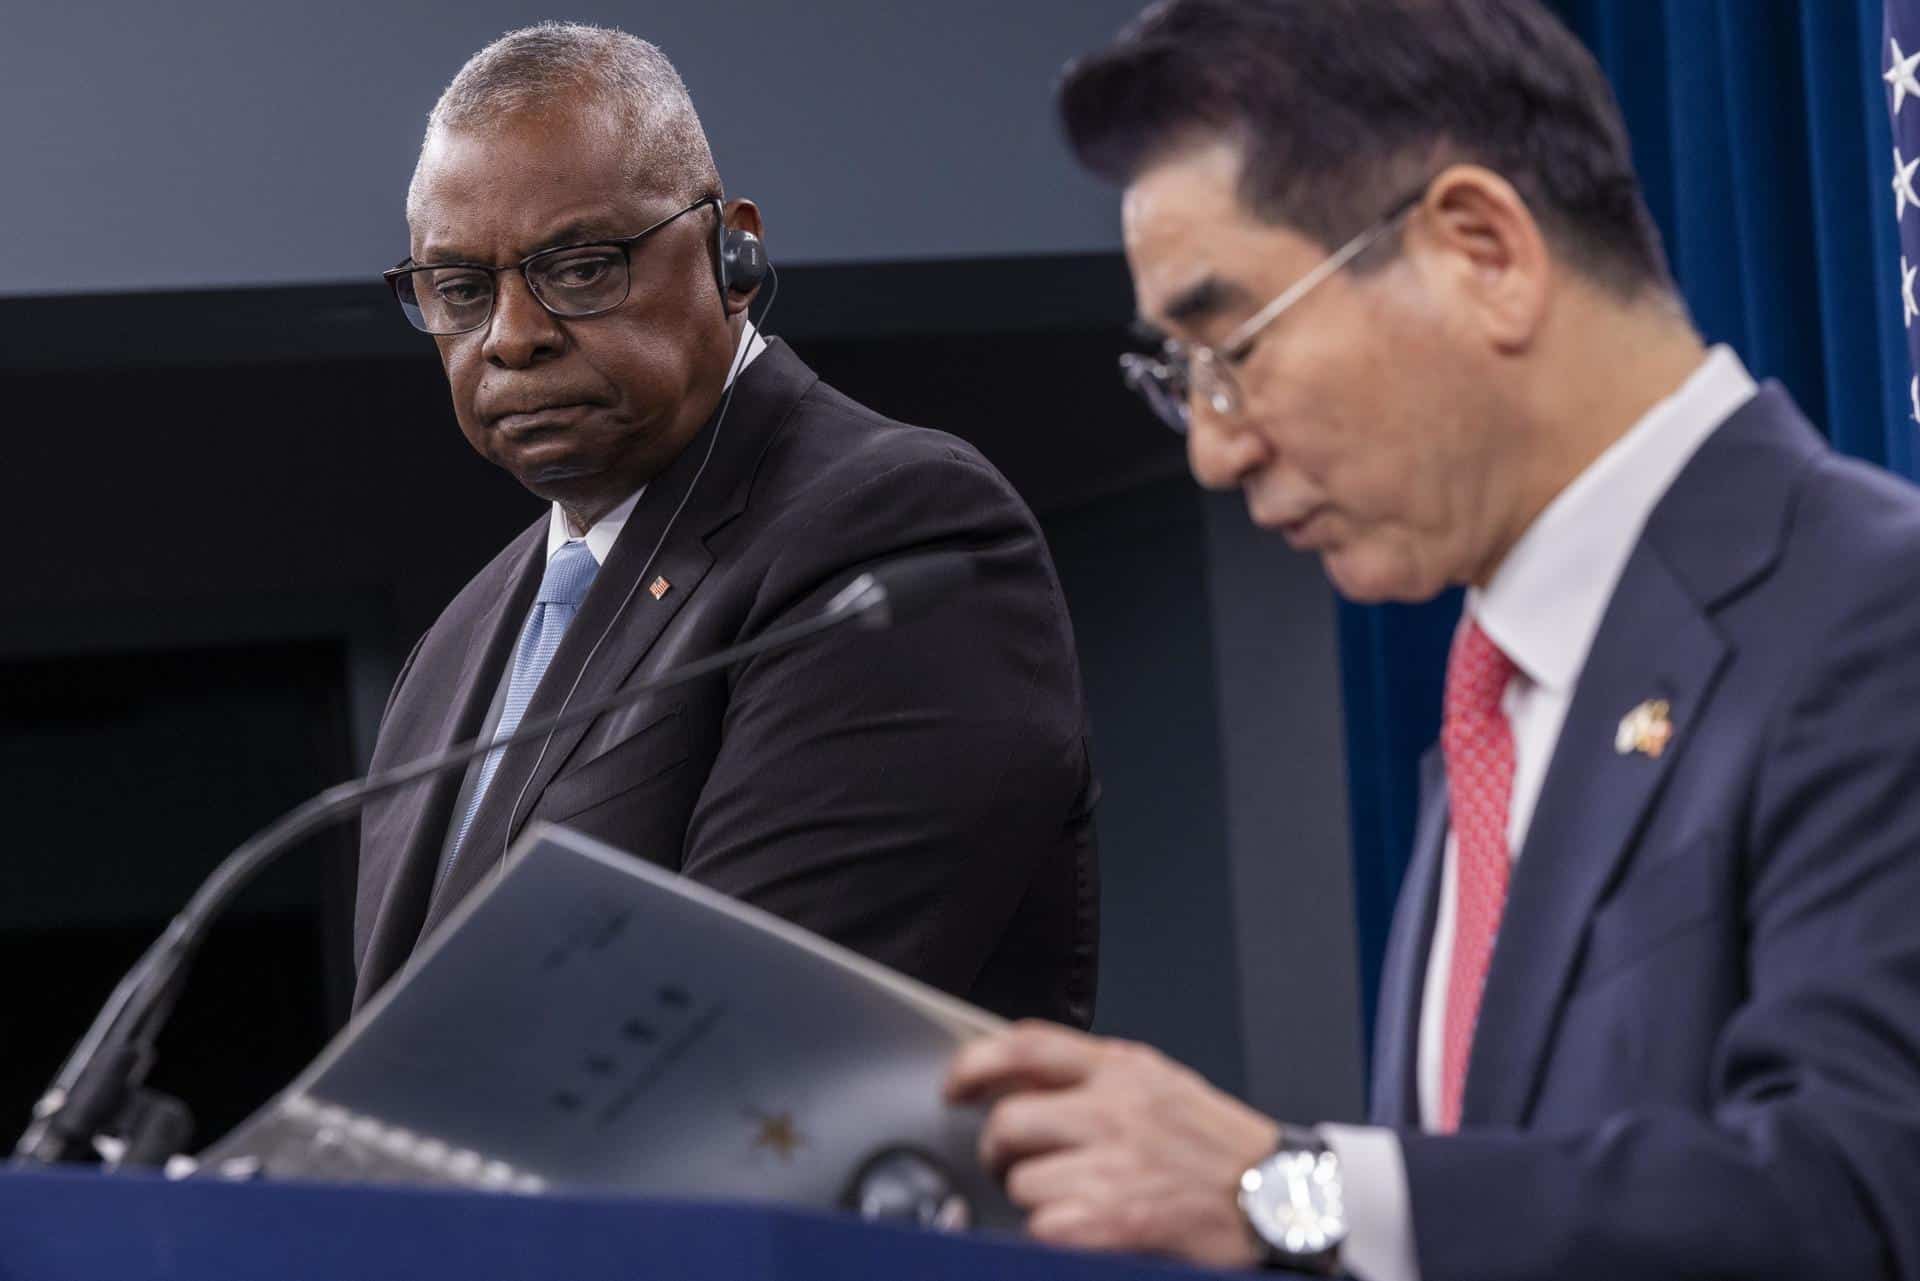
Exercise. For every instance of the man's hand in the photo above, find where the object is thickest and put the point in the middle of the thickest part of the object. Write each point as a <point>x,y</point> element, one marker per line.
<point>1110,1145</point>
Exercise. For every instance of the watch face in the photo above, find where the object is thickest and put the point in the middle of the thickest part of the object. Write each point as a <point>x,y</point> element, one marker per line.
<point>1293,1201</point>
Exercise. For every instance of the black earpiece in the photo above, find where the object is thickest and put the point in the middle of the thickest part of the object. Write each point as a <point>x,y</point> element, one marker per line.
<point>743,260</point>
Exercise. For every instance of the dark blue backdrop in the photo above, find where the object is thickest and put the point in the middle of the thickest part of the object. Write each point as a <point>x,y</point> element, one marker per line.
<point>1760,129</point>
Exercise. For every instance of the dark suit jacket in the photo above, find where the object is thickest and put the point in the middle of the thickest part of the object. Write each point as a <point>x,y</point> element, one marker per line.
<point>921,795</point>
<point>1699,1047</point>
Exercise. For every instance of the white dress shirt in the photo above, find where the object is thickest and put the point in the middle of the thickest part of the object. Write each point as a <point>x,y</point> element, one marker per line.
<point>1542,609</point>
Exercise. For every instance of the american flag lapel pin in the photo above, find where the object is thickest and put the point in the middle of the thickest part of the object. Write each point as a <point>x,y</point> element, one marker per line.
<point>659,587</point>
<point>1647,729</point>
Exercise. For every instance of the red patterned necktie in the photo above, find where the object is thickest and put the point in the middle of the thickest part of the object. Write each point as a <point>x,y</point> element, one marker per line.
<point>1478,745</point>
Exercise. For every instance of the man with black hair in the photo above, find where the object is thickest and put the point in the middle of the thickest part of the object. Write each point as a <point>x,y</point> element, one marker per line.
<point>1651,1005</point>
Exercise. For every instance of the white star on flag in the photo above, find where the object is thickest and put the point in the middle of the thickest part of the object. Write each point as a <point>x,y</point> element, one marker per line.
<point>1899,43</point>
<point>1900,76</point>
<point>1903,193</point>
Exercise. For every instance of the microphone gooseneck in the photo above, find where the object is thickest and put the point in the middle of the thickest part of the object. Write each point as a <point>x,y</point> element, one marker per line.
<point>98,1090</point>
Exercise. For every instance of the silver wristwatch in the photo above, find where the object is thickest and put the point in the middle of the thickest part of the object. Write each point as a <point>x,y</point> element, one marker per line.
<point>1293,1204</point>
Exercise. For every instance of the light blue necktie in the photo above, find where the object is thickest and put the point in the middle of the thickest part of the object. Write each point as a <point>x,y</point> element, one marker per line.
<point>569,573</point>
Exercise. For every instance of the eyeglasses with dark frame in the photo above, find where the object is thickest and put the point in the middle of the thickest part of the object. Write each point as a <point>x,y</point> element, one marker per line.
<point>1184,370</point>
<point>571,281</point>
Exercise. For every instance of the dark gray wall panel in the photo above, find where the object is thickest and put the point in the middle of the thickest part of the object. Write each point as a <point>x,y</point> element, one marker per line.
<point>1134,568</point>
<point>205,143</point>
<point>1284,789</point>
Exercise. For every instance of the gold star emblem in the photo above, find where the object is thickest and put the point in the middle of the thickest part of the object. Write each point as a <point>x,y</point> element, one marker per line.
<point>1647,729</point>
<point>659,587</point>
<point>777,1133</point>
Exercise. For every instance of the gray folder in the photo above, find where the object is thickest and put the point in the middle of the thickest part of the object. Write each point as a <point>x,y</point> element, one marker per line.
<point>589,1021</point>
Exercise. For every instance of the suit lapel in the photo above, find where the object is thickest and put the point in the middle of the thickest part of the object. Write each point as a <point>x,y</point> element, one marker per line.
<point>621,609</point>
<point>1396,1035</point>
<point>616,594</point>
<point>1717,531</point>
<point>1654,643</point>
<point>428,808</point>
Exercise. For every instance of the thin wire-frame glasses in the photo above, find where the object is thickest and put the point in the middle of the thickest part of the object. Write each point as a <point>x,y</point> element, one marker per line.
<point>1181,371</point>
<point>568,280</point>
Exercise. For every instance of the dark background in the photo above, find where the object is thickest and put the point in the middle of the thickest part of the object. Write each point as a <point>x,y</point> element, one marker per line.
<point>235,495</point>
<point>240,507</point>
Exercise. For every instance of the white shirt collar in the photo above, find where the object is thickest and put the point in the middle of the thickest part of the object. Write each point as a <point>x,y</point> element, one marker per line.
<point>1547,598</point>
<point>606,531</point>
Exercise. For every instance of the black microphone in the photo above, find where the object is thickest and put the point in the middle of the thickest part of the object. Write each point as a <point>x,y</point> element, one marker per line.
<point>98,1090</point>
<point>905,587</point>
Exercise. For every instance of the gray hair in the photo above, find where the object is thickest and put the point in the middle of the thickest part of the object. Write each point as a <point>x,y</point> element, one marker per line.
<point>537,67</point>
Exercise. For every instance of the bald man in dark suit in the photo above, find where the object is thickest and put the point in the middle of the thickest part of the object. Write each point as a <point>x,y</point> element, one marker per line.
<point>923,794</point>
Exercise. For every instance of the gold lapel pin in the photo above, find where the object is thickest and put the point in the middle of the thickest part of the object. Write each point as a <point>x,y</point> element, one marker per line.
<point>1646,729</point>
<point>659,587</point>
<point>777,1133</point>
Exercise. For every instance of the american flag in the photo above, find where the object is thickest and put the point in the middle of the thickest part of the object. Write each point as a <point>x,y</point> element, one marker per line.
<point>1902,74</point>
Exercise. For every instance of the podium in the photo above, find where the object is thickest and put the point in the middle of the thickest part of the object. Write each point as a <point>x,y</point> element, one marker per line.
<point>83,1226</point>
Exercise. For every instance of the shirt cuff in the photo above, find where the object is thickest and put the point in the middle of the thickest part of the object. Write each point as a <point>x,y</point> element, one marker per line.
<point>1373,1183</point>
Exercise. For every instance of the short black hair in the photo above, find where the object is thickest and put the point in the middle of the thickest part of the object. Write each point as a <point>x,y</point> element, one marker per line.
<point>1342,107</point>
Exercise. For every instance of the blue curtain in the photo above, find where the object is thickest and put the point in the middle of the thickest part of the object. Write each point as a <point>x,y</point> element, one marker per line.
<point>1760,129</point>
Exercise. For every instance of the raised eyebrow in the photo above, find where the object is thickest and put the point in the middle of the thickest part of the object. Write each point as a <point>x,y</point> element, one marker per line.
<point>574,233</point>
<point>565,236</point>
